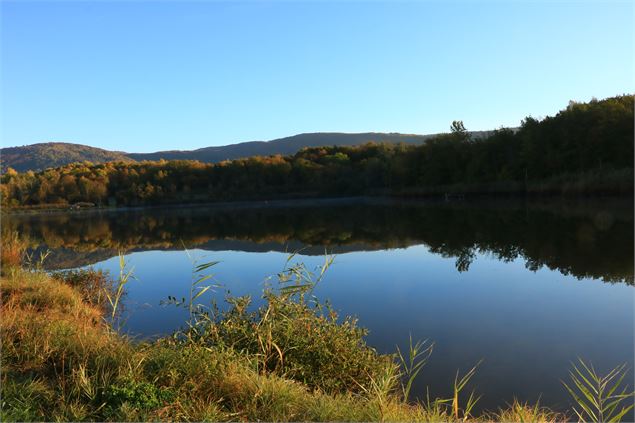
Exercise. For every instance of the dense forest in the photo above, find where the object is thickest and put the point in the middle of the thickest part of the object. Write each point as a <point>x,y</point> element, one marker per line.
<point>586,148</point>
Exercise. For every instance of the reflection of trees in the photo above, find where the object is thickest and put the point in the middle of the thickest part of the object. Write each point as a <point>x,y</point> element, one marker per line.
<point>464,260</point>
<point>585,241</point>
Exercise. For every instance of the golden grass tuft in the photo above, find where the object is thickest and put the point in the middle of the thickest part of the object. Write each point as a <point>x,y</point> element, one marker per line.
<point>12,250</point>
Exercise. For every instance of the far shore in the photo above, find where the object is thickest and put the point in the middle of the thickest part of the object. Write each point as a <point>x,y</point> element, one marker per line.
<point>298,202</point>
<point>370,200</point>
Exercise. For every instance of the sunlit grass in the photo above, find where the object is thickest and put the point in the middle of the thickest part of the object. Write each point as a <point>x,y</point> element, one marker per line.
<point>12,251</point>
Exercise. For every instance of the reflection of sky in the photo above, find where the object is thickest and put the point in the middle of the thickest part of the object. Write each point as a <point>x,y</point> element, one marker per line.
<point>527,326</point>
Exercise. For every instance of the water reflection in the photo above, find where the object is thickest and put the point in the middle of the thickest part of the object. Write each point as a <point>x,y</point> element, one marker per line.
<point>586,240</point>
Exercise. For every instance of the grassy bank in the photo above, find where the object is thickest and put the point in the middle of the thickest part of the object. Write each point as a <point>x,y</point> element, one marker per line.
<point>290,360</point>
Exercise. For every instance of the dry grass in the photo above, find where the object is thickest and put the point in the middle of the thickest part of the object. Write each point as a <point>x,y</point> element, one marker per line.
<point>12,250</point>
<point>525,412</point>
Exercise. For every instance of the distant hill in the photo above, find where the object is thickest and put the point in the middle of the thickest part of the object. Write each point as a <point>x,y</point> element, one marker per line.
<point>288,145</point>
<point>42,156</point>
<point>52,154</point>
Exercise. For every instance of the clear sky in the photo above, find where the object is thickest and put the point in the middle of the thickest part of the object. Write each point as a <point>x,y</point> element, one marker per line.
<point>147,76</point>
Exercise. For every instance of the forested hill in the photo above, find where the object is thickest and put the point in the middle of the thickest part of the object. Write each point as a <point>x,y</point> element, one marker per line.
<point>586,148</point>
<point>53,154</point>
<point>284,146</point>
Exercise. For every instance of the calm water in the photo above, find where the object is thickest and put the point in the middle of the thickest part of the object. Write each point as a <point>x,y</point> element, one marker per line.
<point>528,288</point>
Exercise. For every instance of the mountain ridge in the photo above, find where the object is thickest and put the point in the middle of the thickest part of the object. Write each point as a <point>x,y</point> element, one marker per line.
<point>52,154</point>
<point>40,156</point>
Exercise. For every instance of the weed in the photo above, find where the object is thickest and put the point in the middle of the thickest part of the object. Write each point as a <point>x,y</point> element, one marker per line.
<point>13,250</point>
<point>124,277</point>
<point>418,354</point>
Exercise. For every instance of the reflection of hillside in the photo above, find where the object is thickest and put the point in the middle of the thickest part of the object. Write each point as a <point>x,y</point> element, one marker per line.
<point>67,258</point>
<point>581,240</point>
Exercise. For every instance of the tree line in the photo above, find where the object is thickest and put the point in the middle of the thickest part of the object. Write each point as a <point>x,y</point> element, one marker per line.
<point>585,148</point>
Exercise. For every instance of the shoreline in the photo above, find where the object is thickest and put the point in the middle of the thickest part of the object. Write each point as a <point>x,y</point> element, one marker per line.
<point>93,337</point>
<point>370,200</point>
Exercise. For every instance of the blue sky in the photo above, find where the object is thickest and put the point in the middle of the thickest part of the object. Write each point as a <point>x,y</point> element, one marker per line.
<point>147,76</point>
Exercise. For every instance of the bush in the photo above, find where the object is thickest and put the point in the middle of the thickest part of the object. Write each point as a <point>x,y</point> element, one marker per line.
<point>139,395</point>
<point>300,342</point>
<point>294,336</point>
<point>94,285</point>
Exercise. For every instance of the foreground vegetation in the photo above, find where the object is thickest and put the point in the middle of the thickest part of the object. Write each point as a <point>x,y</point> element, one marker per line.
<point>584,149</point>
<point>292,359</point>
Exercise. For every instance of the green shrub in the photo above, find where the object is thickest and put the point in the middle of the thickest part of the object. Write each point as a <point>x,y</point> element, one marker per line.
<point>138,395</point>
<point>300,342</point>
<point>294,336</point>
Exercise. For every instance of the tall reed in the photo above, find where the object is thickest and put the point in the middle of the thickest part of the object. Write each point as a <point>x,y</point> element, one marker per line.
<point>124,277</point>
<point>599,398</point>
<point>418,354</point>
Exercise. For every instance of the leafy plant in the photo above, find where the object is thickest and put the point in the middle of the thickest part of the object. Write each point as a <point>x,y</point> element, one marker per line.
<point>196,311</point>
<point>140,395</point>
<point>459,385</point>
<point>418,354</point>
<point>35,263</point>
<point>599,398</point>
<point>296,279</point>
<point>450,408</point>
<point>124,277</point>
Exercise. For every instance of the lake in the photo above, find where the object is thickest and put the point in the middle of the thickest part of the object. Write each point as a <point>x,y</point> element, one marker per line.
<point>528,287</point>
